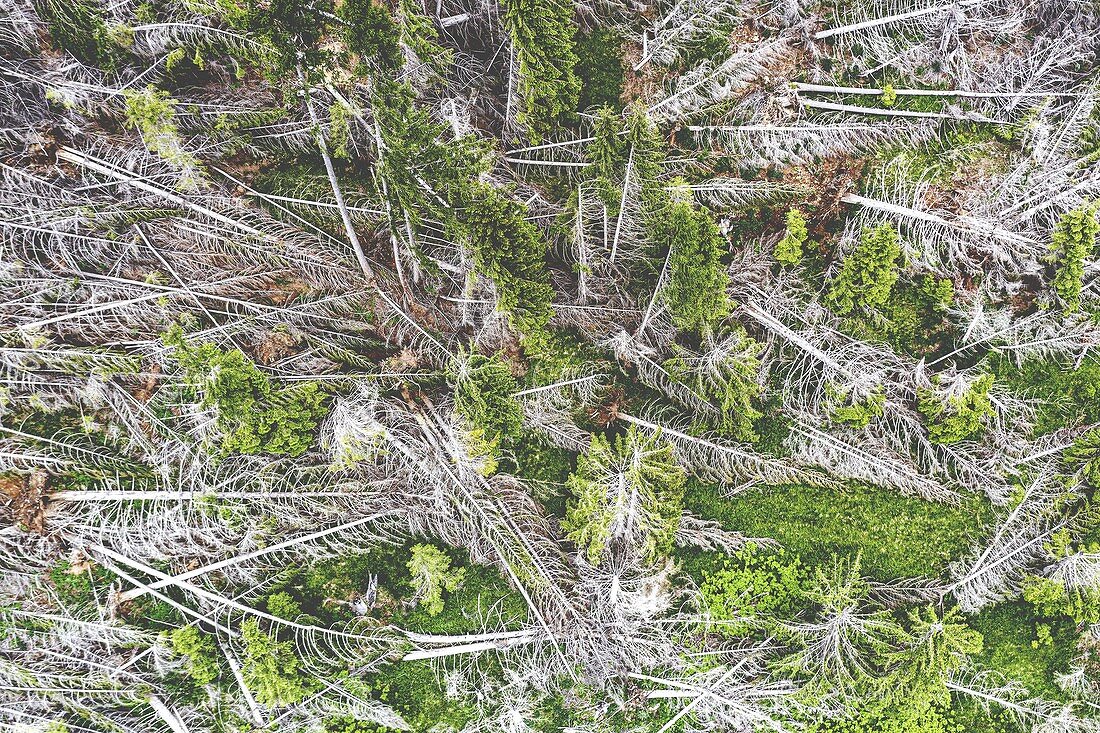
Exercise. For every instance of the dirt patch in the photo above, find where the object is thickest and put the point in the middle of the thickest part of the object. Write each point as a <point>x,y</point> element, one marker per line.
<point>25,500</point>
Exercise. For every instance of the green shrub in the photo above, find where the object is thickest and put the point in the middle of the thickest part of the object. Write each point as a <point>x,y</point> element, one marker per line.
<point>755,587</point>
<point>1070,394</point>
<point>606,155</point>
<point>959,417</point>
<point>856,414</point>
<point>153,113</point>
<point>412,690</point>
<point>74,584</point>
<point>253,415</point>
<point>889,96</point>
<point>80,27</point>
<point>202,660</point>
<point>600,68</point>
<point>346,724</point>
<point>731,382</point>
<point>1051,598</point>
<point>370,33</point>
<point>292,31</point>
<point>1006,629</point>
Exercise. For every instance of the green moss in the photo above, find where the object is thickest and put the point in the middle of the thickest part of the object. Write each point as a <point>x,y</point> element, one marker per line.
<point>412,689</point>
<point>482,588</point>
<point>600,68</point>
<point>1068,395</point>
<point>898,536</point>
<point>1008,630</point>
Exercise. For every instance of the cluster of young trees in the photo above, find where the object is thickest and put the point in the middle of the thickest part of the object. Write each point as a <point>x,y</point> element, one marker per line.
<point>324,407</point>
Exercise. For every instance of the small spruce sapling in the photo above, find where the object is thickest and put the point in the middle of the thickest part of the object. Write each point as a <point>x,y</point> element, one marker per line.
<point>253,415</point>
<point>198,648</point>
<point>1073,240</point>
<point>271,668</point>
<point>431,575</point>
<point>697,278</point>
<point>484,386</point>
<point>788,251</point>
<point>511,252</point>
<point>543,38</point>
<point>626,492</point>
<point>869,272</point>
<point>956,418</point>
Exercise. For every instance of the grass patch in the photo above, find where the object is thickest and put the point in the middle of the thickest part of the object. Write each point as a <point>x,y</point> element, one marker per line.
<point>898,536</point>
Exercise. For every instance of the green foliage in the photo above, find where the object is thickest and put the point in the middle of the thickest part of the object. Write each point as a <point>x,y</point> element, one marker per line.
<point>726,373</point>
<point>484,386</point>
<point>856,414</point>
<point>370,33</point>
<point>912,319</point>
<point>1084,457</point>
<point>431,575</point>
<point>1070,394</point>
<point>875,716</point>
<point>152,112</point>
<point>889,96</point>
<point>253,415</point>
<point>848,647</point>
<point>543,38</point>
<point>270,668</point>
<point>868,273</point>
<point>788,251</point>
<point>935,648</point>
<point>755,587</point>
<point>419,34</point>
<point>1073,240</point>
<point>412,690</point>
<point>427,173</point>
<point>80,27</point>
<point>606,154</point>
<point>600,68</point>
<point>346,724</point>
<point>697,279</point>
<point>627,490</point>
<point>292,31</point>
<point>76,584</point>
<point>339,131</point>
<point>1005,629</point>
<point>202,660</point>
<point>647,154</point>
<point>898,536</point>
<point>959,417</point>
<point>1051,598</point>
<point>510,251</point>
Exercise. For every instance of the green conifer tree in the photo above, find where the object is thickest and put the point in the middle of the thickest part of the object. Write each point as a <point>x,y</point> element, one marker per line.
<point>868,274</point>
<point>1073,240</point>
<point>627,490</point>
